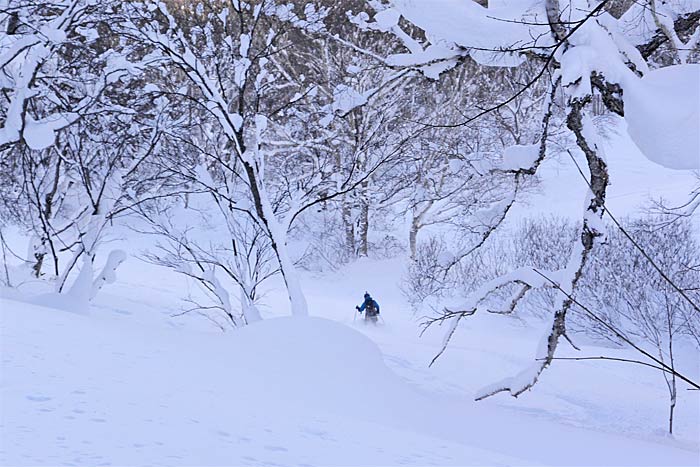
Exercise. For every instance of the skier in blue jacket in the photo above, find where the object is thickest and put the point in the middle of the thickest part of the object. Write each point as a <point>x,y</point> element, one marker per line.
<point>370,307</point>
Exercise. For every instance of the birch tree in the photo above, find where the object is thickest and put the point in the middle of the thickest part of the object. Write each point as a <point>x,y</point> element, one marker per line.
<point>71,141</point>
<point>561,40</point>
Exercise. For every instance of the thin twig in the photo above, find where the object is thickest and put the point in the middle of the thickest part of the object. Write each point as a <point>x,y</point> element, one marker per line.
<point>637,245</point>
<point>617,332</point>
<point>614,359</point>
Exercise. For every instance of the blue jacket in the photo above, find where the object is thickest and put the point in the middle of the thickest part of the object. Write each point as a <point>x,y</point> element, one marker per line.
<point>367,302</point>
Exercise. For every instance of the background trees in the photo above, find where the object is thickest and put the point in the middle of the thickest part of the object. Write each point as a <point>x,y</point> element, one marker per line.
<point>252,137</point>
<point>560,40</point>
<point>73,136</point>
<point>647,311</point>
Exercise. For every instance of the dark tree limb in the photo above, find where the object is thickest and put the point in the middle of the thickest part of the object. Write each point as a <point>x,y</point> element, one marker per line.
<point>683,25</point>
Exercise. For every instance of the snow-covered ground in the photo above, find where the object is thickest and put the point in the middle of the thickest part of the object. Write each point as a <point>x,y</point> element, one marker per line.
<point>131,384</point>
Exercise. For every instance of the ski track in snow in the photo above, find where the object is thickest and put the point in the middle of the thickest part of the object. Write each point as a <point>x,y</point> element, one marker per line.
<point>115,389</point>
<point>140,410</point>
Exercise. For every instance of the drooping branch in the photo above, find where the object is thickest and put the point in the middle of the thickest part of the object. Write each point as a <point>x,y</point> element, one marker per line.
<point>580,124</point>
<point>661,365</point>
<point>524,277</point>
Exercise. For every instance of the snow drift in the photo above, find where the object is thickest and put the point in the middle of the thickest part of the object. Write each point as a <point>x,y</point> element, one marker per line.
<point>287,391</point>
<point>662,111</point>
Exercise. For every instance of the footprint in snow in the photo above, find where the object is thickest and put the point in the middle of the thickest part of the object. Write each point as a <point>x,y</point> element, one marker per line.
<point>39,398</point>
<point>276,448</point>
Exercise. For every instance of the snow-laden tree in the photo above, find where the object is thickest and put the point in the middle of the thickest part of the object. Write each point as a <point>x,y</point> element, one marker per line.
<point>458,175</point>
<point>544,243</point>
<point>278,114</point>
<point>234,58</point>
<point>366,127</point>
<point>583,51</point>
<point>666,32</point>
<point>631,296</point>
<point>36,34</point>
<point>72,141</point>
<point>205,241</point>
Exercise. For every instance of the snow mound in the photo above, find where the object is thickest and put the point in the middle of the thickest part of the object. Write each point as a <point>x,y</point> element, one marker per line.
<point>78,390</point>
<point>88,390</point>
<point>663,115</point>
<point>316,362</point>
<point>299,362</point>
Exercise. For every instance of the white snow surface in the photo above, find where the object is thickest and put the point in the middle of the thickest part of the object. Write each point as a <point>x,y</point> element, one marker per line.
<point>128,385</point>
<point>520,156</point>
<point>663,115</point>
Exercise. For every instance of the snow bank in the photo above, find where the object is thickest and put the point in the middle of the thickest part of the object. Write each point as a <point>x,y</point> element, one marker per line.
<point>287,391</point>
<point>663,115</point>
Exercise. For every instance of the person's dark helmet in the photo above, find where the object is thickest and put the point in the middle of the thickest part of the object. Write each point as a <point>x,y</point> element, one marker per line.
<point>367,295</point>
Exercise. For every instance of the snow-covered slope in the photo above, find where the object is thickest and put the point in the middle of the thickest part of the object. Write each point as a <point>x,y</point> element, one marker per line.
<point>287,391</point>
<point>132,384</point>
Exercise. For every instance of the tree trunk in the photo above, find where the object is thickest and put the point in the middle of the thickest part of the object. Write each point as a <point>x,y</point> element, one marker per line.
<point>251,313</point>
<point>297,299</point>
<point>364,226</point>
<point>45,215</point>
<point>416,225</point>
<point>39,254</point>
<point>672,383</point>
<point>346,213</point>
<point>3,245</point>
<point>81,289</point>
<point>278,239</point>
<point>349,228</point>
<point>412,236</point>
<point>673,406</point>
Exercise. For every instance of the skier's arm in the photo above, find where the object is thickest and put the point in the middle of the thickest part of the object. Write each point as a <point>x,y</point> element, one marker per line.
<point>376,305</point>
<point>361,307</point>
